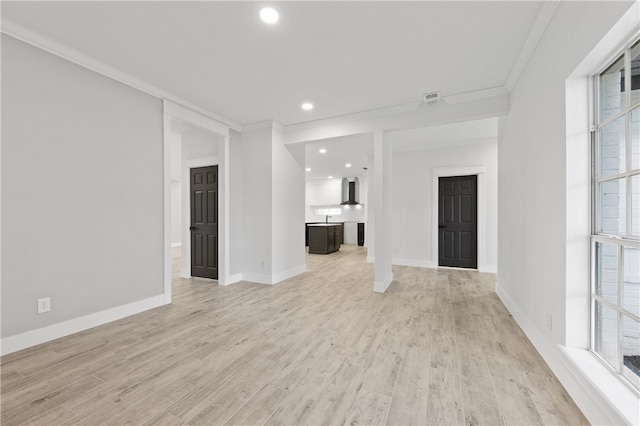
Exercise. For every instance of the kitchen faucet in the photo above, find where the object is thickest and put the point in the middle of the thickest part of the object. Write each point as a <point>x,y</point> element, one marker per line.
<point>327,218</point>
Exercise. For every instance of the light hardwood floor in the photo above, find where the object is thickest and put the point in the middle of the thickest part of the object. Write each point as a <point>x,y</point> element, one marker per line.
<point>320,348</point>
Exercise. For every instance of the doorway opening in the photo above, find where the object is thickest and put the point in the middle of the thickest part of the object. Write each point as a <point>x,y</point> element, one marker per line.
<point>192,141</point>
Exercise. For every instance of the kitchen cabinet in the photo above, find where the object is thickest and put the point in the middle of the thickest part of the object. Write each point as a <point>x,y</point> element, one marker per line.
<point>340,231</point>
<point>324,238</point>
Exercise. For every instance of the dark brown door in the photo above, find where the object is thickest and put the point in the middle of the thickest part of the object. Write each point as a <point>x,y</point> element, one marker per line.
<point>204,222</point>
<point>458,222</point>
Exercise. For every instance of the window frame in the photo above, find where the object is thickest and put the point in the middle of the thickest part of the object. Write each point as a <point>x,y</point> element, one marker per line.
<point>626,240</point>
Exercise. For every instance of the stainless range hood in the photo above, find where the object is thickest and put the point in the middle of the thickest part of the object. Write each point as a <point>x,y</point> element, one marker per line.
<point>350,192</point>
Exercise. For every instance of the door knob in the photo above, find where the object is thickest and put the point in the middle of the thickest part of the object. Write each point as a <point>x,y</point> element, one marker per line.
<point>192,228</point>
<point>442,226</point>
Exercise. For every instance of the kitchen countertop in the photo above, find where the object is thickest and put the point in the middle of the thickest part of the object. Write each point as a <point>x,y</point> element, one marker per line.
<point>324,224</point>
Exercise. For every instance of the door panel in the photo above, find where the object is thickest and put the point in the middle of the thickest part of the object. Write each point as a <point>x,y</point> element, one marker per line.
<point>448,248</point>
<point>204,222</point>
<point>458,216</point>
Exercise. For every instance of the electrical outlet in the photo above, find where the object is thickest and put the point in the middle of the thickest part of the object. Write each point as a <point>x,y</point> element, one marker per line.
<point>263,264</point>
<point>44,305</point>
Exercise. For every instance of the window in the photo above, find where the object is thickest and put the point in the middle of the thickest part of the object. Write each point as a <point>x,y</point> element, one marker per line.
<point>615,239</point>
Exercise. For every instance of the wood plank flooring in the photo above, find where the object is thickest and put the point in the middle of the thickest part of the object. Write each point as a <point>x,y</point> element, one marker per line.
<point>320,348</point>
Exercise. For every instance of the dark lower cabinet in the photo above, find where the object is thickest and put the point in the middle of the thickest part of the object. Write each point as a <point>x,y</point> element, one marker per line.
<point>308,224</point>
<point>324,238</point>
<point>360,233</point>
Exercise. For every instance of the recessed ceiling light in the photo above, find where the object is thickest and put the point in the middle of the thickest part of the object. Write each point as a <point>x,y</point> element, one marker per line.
<point>348,165</point>
<point>322,151</point>
<point>308,169</point>
<point>307,106</point>
<point>269,15</point>
<point>330,177</point>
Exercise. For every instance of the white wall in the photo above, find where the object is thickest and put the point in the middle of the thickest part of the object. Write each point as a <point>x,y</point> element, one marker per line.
<point>288,194</point>
<point>543,206</point>
<point>257,214</point>
<point>413,200</point>
<point>236,206</point>
<point>533,162</point>
<point>82,191</point>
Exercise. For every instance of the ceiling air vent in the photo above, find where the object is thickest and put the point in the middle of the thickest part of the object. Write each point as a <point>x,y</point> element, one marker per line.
<point>431,97</point>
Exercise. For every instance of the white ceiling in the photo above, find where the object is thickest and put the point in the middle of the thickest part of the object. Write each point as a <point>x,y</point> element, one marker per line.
<point>354,149</point>
<point>358,149</point>
<point>345,57</point>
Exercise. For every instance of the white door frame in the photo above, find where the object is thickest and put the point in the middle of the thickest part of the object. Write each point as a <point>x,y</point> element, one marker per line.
<point>481,199</point>
<point>171,111</point>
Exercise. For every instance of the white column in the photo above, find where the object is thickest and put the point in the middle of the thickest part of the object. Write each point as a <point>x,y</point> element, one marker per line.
<point>382,207</point>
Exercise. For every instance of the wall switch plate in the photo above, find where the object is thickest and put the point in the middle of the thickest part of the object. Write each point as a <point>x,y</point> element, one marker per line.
<point>549,322</point>
<point>44,305</point>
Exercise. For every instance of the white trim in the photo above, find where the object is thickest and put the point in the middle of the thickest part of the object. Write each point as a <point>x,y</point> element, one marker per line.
<point>232,279</point>
<point>70,54</point>
<point>382,286</point>
<point>608,402</point>
<point>273,278</point>
<point>547,11</point>
<point>475,95</point>
<point>257,278</point>
<point>166,182</point>
<point>194,117</point>
<point>281,276</point>
<point>481,199</point>
<point>493,269</point>
<point>223,211</point>
<point>176,244</point>
<point>419,263</point>
<point>45,334</point>
<point>262,125</point>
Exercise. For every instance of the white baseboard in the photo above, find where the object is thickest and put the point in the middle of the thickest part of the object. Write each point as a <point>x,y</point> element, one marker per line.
<point>420,263</point>
<point>231,279</point>
<point>492,269</point>
<point>257,278</point>
<point>576,369</point>
<point>381,287</point>
<point>289,273</point>
<point>45,334</point>
<point>176,244</point>
<point>274,278</point>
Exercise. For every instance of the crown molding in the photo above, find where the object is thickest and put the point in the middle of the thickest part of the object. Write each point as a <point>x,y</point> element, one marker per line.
<point>547,11</point>
<point>262,125</point>
<point>475,95</point>
<point>26,35</point>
